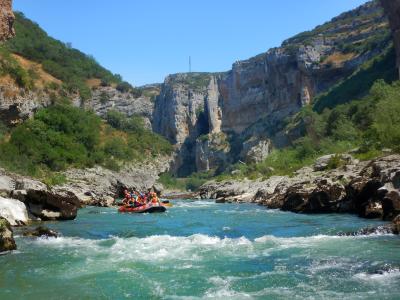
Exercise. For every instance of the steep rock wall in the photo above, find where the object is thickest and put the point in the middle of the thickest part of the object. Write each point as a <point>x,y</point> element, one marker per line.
<point>392,9</point>
<point>181,114</point>
<point>6,20</point>
<point>250,103</point>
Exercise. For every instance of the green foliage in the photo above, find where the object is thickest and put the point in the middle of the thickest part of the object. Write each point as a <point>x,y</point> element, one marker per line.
<point>62,136</point>
<point>60,60</point>
<point>369,125</point>
<point>104,98</point>
<point>10,66</point>
<point>125,87</point>
<point>386,118</point>
<point>335,162</point>
<point>3,130</point>
<point>140,139</point>
<point>192,183</point>
<point>358,84</point>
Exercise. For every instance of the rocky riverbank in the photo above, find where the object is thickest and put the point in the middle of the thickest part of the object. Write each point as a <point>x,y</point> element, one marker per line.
<point>368,188</point>
<point>24,200</point>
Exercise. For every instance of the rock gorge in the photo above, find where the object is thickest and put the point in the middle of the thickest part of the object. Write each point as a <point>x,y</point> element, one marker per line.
<point>215,119</point>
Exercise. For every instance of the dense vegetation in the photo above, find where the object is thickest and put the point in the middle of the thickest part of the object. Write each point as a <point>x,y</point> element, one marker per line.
<point>359,83</point>
<point>62,136</point>
<point>365,126</point>
<point>10,66</point>
<point>60,60</point>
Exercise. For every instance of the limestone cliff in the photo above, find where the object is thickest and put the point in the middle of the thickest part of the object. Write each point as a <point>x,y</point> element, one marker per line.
<point>108,98</point>
<point>392,9</point>
<point>182,111</point>
<point>250,103</point>
<point>6,20</point>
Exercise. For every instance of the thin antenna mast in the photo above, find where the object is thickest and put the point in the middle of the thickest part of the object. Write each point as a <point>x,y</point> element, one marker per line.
<point>190,64</point>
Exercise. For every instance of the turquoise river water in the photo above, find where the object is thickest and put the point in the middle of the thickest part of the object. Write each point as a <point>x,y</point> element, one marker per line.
<point>204,250</point>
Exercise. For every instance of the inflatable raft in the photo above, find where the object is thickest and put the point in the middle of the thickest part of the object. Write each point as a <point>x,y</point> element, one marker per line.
<point>148,208</point>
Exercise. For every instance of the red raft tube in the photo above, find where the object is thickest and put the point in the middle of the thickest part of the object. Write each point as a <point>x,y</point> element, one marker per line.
<point>148,208</point>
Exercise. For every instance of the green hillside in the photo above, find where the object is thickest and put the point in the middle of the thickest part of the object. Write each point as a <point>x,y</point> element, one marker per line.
<point>60,60</point>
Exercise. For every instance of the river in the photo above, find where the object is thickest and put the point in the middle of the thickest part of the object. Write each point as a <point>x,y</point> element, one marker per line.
<point>204,250</point>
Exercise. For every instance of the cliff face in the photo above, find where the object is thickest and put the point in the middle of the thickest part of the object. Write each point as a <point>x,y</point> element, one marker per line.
<point>392,9</point>
<point>108,98</point>
<point>181,114</point>
<point>240,114</point>
<point>6,20</point>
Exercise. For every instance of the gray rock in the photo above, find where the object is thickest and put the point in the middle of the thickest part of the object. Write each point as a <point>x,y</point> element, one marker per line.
<point>255,150</point>
<point>370,189</point>
<point>14,211</point>
<point>7,242</point>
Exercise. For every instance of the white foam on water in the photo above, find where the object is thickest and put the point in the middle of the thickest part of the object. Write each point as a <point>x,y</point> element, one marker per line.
<point>382,277</point>
<point>194,204</point>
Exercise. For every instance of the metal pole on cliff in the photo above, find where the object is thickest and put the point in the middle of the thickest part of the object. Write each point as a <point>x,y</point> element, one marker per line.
<point>190,64</point>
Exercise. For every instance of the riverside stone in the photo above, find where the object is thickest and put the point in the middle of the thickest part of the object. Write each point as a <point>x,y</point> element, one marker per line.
<point>14,211</point>
<point>370,189</point>
<point>7,242</point>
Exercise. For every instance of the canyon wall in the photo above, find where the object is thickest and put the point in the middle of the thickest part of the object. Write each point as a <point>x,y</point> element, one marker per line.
<point>6,20</point>
<point>392,9</point>
<point>215,119</point>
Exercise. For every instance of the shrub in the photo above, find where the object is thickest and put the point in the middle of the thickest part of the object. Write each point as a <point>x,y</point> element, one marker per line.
<point>62,136</point>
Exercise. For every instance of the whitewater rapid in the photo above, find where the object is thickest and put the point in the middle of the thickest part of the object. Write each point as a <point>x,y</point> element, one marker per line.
<point>203,250</point>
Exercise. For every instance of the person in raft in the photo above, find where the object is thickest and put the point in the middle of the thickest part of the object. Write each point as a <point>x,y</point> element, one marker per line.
<point>130,199</point>
<point>154,199</point>
<point>127,197</point>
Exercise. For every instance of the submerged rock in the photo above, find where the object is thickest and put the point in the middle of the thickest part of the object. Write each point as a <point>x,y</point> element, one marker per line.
<point>7,242</point>
<point>41,232</point>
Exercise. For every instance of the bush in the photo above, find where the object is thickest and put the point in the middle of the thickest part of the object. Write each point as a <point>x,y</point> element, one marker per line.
<point>104,98</point>
<point>62,136</point>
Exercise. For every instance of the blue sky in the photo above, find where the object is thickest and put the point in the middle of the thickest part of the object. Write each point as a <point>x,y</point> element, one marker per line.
<point>146,40</point>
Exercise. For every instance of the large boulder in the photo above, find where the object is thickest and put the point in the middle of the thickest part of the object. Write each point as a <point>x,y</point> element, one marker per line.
<point>231,190</point>
<point>255,150</point>
<point>14,211</point>
<point>7,242</point>
<point>319,196</point>
<point>7,184</point>
<point>53,205</point>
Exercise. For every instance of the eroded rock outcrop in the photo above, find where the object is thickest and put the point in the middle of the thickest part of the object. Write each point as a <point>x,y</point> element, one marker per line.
<point>29,199</point>
<point>185,110</point>
<point>392,9</point>
<point>369,189</point>
<point>6,20</point>
<point>100,187</point>
<point>109,98</point>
